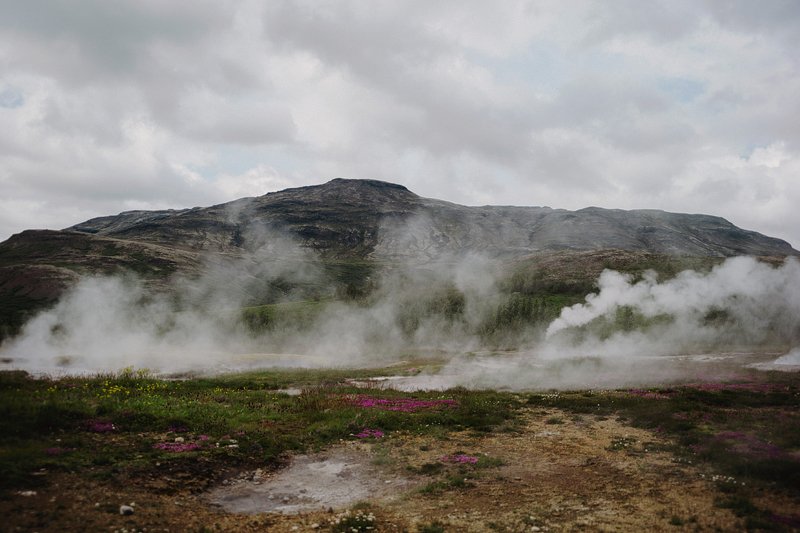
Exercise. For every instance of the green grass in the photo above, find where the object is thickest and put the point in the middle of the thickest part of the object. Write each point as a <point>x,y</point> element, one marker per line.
<point>294,315</point>
<point>518,311</point>
<point>432,527</point>
<point>109,424</point>
<point>450,482</point>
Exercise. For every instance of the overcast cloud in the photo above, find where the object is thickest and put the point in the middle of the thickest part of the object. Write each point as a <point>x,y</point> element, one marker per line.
<point>689,106</point>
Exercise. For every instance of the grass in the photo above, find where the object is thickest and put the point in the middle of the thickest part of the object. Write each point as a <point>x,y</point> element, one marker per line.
<point>296,315</point>
<point>120,426</point>
<point>450,482</point>
<point>107,425</point>
<point>37,415</point>
<point>432,527</point>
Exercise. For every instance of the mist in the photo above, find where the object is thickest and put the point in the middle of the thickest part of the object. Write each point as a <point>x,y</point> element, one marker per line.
<point>631,331</point>
<point>702,326</point>
<point>107,323</point>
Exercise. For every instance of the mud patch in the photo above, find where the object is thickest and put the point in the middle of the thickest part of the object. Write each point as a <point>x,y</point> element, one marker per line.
<point>334,479</point>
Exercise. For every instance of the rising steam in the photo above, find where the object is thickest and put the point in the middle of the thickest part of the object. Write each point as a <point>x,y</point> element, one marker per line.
<point>631,331</point>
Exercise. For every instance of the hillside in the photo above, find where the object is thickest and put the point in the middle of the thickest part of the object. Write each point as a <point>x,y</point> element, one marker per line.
<point>350,228</point>
<point>373,219</point>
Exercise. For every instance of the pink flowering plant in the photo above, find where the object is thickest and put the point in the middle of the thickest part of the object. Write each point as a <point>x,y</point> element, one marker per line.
<point>368,433</point>
<point>651,394</point>
<point>100,426</point>
<point>403,405</point>
<point>57,450</point>
<point>179,445</point>
<point>115,421</point>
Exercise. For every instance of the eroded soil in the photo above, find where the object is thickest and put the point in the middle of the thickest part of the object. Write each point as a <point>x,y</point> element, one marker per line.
<point>551,471</point>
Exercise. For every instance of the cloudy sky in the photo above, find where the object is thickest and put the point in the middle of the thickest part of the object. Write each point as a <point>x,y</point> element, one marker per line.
<point>690,106</point>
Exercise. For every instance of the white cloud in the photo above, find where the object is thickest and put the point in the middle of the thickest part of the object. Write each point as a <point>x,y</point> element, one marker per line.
<point>686,106</point>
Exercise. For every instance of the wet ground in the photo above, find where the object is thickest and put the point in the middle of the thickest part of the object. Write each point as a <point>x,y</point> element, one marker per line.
<point>336,479</point>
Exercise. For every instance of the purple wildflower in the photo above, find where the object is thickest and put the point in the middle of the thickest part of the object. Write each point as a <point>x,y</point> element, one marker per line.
<point>405,405</point>
<point>58,450</point>
<point>746,386</point>
<point>370,433</point>
<point>792,521</point>
<point>747,444</point>
<point>100,426</point>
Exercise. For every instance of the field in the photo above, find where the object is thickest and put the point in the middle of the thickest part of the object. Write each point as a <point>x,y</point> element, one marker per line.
<point>179,452</point>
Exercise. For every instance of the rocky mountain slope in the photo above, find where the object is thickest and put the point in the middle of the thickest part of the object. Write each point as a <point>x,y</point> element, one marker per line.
<point>373,219</point>
<point>350,226</point>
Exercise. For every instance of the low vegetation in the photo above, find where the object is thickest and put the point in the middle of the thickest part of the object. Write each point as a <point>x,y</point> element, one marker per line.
<point>108,425</point>
<point>745,435</point>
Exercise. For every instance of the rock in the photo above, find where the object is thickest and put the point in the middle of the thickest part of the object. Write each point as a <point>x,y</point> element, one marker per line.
<point>125,510</point>
<point>179,439</point>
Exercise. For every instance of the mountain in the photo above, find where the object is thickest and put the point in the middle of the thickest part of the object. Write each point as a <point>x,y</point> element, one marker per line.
<point>373,219</point>
<point>350,225</point>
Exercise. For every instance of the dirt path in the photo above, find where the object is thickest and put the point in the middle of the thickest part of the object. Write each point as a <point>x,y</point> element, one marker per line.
<point>551,472</point>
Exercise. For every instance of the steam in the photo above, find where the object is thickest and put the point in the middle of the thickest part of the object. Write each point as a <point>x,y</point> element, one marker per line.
<point>741,302</point>
<point>109,323</point>
<point>790,359</point>
<point>696,326</point>
<point>112,322</point>
<point>632,331</point>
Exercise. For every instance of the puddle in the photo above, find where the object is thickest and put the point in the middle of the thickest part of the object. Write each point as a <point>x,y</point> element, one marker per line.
<point>334,479</point>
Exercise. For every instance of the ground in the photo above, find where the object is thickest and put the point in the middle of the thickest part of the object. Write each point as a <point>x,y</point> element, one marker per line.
<point>551,470</point>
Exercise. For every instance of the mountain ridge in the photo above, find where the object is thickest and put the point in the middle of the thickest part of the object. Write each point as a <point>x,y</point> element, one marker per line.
<point>353,227</point>
<point>346,217</point>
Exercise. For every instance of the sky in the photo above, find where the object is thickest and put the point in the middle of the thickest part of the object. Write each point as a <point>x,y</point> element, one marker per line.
<point>687,106</point>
